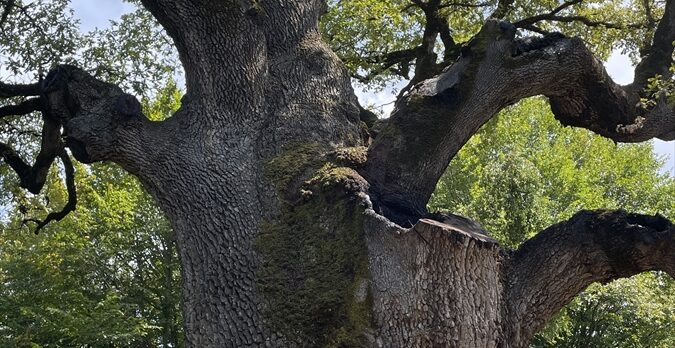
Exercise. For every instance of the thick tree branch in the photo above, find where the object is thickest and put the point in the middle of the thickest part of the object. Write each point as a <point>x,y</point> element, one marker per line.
<point>426,60</point>
<point>99,122</point>
<point>24,108</point>
<point>431,123</point>
<point>546,272</point>
<point>660,52</point>
<point>210,71</point>
<point>102,123</point>
<point>19,90</point>
<point>428,120</point>
<point>33,177</point>
<point>245,43</point>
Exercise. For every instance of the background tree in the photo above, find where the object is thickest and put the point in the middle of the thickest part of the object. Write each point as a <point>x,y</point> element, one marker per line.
<point>291,232</point>
<point>107,275</point>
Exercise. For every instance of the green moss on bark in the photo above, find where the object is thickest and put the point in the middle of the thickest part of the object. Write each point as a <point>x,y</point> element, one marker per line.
<point>314,270</point>
<point>351,156</point>
<point>288,169</point>
<point>313,260</point>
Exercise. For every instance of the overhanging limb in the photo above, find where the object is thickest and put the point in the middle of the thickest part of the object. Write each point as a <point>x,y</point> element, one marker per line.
<point>547,271</point>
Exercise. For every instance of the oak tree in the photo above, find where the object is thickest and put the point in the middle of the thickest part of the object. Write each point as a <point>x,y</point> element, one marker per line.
<point>301,220</point>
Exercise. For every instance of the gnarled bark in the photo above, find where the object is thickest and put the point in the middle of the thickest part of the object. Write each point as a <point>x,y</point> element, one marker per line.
<point>266,147</point>
<point>439,115</point>
<point>546,272</point>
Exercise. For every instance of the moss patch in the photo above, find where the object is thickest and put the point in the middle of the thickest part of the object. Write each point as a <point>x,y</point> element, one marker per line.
<point>351,156</point>
<point>331,176</point>
<point>288,169</point>
<point>314,258</point>
<point>314,268</point>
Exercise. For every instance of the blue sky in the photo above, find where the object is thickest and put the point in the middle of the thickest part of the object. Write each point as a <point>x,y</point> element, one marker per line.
<point>98,13</point>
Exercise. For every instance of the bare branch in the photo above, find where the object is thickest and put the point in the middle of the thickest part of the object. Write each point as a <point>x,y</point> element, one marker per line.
<point>24,108</point>
<point>553,16</point>
<point>20,90</point>
<point>546,272</point>
<point>72,193</point>
<point>533,28</point>
<point>387,61</point>
<point>569,19</point>
<point>534,19</point>
<point>463,4</point>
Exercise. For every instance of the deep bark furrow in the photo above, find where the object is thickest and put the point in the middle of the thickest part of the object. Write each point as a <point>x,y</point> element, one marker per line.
<point>219,301</point>
<point>223,53</point>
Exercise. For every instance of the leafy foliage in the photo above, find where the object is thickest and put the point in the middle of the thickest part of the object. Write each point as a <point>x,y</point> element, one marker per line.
<point>366,34</point>
<point>40,35</point>
<point>363,31</point>
<point>634,312</point>
<point>107,275</point>
<point>133,52</point>
<point>659,89</point>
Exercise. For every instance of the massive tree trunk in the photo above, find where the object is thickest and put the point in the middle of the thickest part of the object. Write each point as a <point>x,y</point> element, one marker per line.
<point>294,230</point>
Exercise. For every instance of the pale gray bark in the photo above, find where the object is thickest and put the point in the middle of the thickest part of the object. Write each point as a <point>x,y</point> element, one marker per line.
<point>434,285</point>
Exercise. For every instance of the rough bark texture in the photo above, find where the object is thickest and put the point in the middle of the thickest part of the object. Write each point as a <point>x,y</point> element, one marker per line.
<point>434,285</point>
<point>447,284</point>
<point>438,116</point>
<point>289,228</point>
